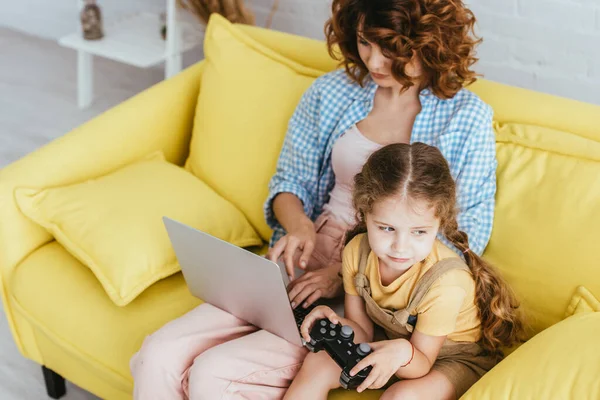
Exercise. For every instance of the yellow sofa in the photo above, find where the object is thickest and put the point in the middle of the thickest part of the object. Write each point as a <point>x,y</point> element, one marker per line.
<point>545,232</point>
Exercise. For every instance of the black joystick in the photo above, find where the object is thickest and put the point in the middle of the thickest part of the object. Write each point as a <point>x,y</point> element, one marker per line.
<point>337,341</point>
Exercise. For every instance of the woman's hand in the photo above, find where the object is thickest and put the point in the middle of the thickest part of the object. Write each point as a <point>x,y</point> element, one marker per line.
<point>300,239</point>
<point>387,357</point>
<point>311,286</point>
<point>316,314</point>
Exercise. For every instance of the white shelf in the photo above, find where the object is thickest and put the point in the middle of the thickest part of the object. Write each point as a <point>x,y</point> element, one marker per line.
<point>135,39</point>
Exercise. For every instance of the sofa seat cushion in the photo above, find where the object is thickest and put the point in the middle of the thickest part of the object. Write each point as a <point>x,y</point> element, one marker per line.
<point>63,299</point>
<point>113,224</point>
<point>558,363</point>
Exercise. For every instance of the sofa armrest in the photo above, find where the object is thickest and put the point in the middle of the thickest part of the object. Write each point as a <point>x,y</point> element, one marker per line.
<point>160,118</point>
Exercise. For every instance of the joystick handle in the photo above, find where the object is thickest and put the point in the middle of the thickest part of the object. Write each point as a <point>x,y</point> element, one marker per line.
<point>363,349</point>
<point>347,332</point>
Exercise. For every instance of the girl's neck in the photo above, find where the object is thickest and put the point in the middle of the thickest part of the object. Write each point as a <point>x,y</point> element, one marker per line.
<point>388,275</point>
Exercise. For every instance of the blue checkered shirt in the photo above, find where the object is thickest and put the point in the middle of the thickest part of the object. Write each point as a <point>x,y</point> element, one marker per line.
<point>461,127</point>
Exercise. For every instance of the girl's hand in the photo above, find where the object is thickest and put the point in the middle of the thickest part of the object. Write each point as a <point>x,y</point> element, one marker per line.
<point>316,314</point>
<point>313,285</point>
<point>387,357</point>
<point>301,239</point>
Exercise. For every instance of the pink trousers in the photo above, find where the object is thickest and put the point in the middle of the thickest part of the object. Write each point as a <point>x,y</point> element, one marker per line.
<point>210,354</point>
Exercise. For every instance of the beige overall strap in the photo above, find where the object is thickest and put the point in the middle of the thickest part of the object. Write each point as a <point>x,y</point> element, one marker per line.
<point>363,253</point>
<point>432,275</point>
<point>385,318</point>
<point>360,280</point>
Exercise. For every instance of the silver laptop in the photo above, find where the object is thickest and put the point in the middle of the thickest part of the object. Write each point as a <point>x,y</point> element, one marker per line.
<point>238,281</point>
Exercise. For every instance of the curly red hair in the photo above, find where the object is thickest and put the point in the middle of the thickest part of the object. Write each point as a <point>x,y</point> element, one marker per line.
<point>439,32</point>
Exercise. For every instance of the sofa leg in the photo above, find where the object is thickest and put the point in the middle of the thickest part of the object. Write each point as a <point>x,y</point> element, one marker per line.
<point>55,384</point>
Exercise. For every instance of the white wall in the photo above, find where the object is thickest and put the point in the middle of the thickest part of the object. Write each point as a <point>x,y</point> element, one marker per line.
<point>547,45</point>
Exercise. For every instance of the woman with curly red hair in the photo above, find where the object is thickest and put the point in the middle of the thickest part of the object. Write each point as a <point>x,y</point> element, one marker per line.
<point>406,63</point>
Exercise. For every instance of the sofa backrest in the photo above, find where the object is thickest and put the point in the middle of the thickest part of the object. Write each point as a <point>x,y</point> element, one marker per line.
<point>548,198</point>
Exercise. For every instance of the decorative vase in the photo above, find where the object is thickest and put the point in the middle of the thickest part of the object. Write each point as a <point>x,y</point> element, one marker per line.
<point>91,21</point>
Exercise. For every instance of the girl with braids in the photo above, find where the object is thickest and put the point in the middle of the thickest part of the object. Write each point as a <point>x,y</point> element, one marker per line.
<point>443,320</point>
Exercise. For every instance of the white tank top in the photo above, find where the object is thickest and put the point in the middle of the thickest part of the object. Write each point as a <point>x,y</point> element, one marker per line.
<point>349,154</point>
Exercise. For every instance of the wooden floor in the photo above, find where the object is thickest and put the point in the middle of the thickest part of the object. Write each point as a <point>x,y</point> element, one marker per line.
<point>38,104</point>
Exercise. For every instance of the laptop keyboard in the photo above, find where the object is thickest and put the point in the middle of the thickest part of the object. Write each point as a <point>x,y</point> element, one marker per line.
<point>301,312</point>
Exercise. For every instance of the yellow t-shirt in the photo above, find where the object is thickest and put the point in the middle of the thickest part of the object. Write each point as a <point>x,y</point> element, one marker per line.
<point>447,309</point>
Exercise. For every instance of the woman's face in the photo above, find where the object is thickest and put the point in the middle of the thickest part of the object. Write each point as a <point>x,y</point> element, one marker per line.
<point>379,66</point>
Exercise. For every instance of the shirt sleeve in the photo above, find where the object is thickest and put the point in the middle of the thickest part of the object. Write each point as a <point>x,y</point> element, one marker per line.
<point>350,265</point>
<point>439,310</point>
<point>300,159</point>
<point>476,185</point>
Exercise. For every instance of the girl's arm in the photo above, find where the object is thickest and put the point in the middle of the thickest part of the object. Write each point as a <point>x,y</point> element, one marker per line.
<point>356,316</point>
<point>426,350</point>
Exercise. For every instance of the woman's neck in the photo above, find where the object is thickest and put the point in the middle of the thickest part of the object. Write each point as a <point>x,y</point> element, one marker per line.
<point>395,99</point>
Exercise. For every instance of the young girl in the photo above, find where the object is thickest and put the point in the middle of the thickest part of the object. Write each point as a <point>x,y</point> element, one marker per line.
<point>444,320</point>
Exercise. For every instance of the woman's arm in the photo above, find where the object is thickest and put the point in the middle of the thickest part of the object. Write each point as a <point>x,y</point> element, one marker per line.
<point>289,211</point>
<point>298,164</point>
<point>300,235</point>
<point>475,172</point>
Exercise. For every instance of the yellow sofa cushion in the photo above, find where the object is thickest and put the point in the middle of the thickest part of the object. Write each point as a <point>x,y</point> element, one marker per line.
<point>249,93</point>
<point>582,301</point>
<point>547,197</point>
<point>558,363</point>
<point>113,224</point>
<point>92,330</point>
<point>75,313</point>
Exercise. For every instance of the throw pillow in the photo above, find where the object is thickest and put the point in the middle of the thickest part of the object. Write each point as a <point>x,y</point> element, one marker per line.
<point>249,93</point>
<point>558,363</point>
<point>113,224</point>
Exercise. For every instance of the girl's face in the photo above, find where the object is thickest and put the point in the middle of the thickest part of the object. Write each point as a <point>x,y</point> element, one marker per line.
<point>380,67</point>
<point>401,232</point>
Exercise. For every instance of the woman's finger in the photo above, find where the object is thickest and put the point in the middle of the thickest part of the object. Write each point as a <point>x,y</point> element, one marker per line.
<point>306,291</point>
<point>306,253</point>
<point>304,279</point>
<point>288,256</point>
<point>275,251</point>
<point>297,286</point>
<point>317,294</point>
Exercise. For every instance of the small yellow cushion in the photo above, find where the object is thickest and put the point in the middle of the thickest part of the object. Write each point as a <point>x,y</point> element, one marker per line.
<point>248,95</point>
<point>582,301</point>
<point>546,202</point>
<point>558,363</point>
<point>113,224</point>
